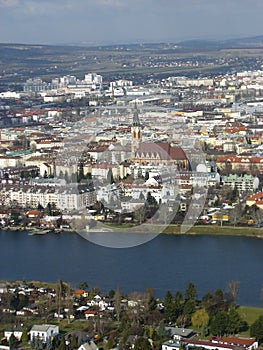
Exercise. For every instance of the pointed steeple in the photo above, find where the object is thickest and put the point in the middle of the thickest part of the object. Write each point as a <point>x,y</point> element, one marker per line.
<point>136,120</point>
<point>136,130</point>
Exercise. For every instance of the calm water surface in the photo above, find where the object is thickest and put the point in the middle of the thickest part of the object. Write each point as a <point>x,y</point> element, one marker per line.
<point>166,262</point>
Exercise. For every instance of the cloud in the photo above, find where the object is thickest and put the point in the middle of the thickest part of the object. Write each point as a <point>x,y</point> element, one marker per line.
<point>40,7</point>
<point>9,3</point>
<point>112,3</point>
<point>127,20</point>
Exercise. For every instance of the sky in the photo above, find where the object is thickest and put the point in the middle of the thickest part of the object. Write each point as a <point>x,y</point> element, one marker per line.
<point>127,21</point>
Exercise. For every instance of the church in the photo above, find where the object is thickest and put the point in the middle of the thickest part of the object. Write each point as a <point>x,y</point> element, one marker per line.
<point>155,153</point>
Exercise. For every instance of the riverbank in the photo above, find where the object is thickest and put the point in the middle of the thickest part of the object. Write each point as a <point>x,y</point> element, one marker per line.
<point>171,229</point>
<point>216,231</point>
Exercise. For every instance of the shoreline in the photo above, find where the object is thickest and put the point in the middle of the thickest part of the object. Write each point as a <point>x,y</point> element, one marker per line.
<point>216,231</point>
<point>172,229</point>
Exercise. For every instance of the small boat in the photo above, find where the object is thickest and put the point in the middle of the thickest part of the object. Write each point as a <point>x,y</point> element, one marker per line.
<point>38,231</point>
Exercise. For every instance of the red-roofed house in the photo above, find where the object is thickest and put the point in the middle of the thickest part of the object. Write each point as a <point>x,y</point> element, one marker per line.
<point>79,293</point>
<point>256,199</point>
<point>227,343</point>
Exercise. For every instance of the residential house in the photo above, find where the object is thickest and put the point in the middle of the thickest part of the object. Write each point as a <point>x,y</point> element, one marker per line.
<point>171,345</point>
<point>255,199</point>
<point>226,343</point>
<point>3,288</point>
<point>88,346</point>
<point>177,333</point>
<point>81,293</point>
<point>16,331</point>
<point>245,183</point>
<point>44,332</point>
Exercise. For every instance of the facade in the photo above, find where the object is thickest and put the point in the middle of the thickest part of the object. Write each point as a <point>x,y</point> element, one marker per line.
<point>244,184</point>
<point>88,346</point>
<point>234,163</point>
<point>171,345</point>
<point>161,153</point>
<point>155,153</point>
<point>17,332</point>
<point>255,199</point>
<point>44,332</point>
<point>226,343</point>
<point>67,197</point>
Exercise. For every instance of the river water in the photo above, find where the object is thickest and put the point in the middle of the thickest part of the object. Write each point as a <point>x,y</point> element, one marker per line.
<point>165,263</point>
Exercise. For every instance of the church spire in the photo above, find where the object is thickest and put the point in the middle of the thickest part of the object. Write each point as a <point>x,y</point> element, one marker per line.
<point>136,120</point>
<point>136,130</point>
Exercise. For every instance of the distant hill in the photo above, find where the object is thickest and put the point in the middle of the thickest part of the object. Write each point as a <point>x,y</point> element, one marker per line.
<point>250,42</point>
<point>206,45</point>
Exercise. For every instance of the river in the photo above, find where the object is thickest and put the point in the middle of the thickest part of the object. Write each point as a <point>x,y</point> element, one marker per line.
<point>165,263</point>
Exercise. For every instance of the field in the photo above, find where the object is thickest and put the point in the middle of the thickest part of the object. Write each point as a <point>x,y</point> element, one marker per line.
<point>250,314</point>
<point>217,230</point>
<point>136,62</point>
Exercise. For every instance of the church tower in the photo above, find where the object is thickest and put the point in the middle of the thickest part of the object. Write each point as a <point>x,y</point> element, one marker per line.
<point>136,130</point>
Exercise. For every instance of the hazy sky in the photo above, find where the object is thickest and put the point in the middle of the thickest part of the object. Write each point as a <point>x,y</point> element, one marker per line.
<point>126,21</point>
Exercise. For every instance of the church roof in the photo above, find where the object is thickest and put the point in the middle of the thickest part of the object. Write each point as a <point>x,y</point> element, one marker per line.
<point>162,150</point>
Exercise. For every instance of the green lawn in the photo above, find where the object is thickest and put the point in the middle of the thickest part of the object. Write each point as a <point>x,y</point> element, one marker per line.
<point>250,314</point>
<point>217,230</point>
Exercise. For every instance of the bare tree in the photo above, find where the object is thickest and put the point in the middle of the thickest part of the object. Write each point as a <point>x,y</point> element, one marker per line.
<point>232,291</point>
<point>117,303</point>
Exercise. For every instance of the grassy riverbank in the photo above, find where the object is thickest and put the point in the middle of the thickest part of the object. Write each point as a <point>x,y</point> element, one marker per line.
<point>216,230</point>
<point>208,230</point>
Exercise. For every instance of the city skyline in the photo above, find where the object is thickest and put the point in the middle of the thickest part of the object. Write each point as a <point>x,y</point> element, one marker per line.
<point>123,21</point>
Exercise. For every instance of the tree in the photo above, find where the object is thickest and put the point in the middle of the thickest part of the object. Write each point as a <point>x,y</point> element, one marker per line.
<point>83,285</point>
<point>142,344</point>
<point>62,345</point>
<point>12,342</point>
<point>219,323</point>
<point>151,200</point>
<point>60,292</point>
<point>74,342</point>
<point>49,345</point>
<point>152,303</point>
<point>33,342</point>
<point>22,301</point>
<point>232,292</point>
<point>200,319</point>
<point>111,293</point>
<point>256,329</point>
<point>189,309</point>
<point>207,300</point>
<point>110,343</point>
<point>190,292</point>
<point>236,323</point>
<point>161,331</point>
<point>117,303</point>
<point>169,310</point>
<point>139,214</point>
<point>24,337</point>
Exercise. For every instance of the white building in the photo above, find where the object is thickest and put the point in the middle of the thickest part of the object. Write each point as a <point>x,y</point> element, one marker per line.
<point>44,332</point>
<point>67,197</point>
<point>17,332</point>
<point>9,94</point>
<point>93,79</point>
<point>88,346</point>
